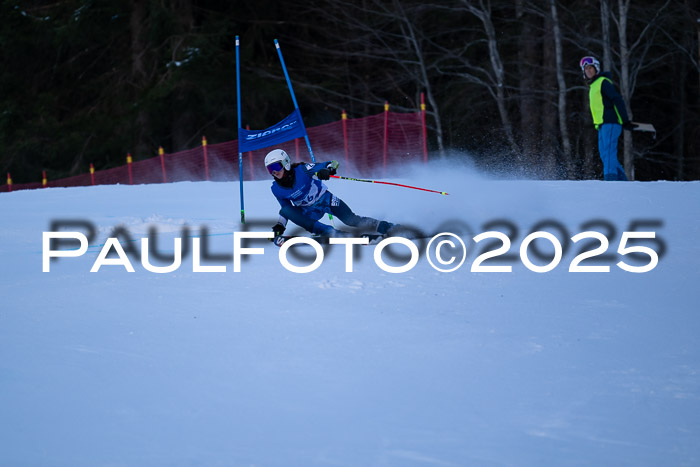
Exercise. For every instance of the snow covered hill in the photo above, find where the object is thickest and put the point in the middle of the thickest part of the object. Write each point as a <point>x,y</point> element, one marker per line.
<point>274,368</point>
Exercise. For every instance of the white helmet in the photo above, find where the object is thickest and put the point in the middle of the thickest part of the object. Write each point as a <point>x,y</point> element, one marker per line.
<point>589,61</point>
<point>278,155</point>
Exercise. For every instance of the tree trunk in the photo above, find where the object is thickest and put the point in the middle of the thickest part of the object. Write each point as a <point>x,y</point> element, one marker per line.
<point>550,141</point>
<point>139,75</point>
<point>529,55</point>
<point>605,26</point>
<point>591,155</point>
<point>484,15</point>
<point>184,121</point>
<point>623,9</point>
<point>680,95</point>
<point>424,80</point>
<point>697,27</point>
<point>561,102</point>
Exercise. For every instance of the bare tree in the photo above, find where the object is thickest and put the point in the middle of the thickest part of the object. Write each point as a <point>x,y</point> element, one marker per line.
<point>483,12</point>
<point>693,12</point>
<point>561,82</point>
<point>141,74</point>
<point>623,11</point>
<point>605,27</point>
<point>385,37</point>
<point>639,47</point>
<point>529,55</point>
<point>413,43</point>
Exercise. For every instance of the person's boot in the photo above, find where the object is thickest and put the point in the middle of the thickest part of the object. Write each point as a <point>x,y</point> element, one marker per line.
<point>385,227</point>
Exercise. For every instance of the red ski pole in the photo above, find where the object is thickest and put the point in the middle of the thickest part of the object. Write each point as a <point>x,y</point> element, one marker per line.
<point>388,183</point>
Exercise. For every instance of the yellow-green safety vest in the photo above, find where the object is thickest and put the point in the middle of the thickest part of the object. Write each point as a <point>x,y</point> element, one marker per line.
<point>595,98</point>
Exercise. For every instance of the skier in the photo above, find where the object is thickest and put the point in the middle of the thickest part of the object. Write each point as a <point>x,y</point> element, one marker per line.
<point>609,116</point>
<point>304,199</point>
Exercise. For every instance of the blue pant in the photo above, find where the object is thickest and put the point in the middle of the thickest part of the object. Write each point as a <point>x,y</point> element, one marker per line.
<point>308,216</point>
<point>608,134</point>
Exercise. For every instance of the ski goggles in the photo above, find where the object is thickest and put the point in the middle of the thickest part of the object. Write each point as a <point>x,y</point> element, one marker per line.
<point>587,61</point>
<point>275,167</point>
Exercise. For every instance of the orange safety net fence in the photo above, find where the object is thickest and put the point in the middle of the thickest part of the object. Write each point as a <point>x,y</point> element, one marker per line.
<point>366,146</point>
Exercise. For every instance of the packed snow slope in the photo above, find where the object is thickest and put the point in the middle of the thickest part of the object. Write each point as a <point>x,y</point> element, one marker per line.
<point>270,367</point>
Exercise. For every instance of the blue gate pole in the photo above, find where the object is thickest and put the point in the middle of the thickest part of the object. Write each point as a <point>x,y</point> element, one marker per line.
<point>240,126</point>
<point>294,99</point>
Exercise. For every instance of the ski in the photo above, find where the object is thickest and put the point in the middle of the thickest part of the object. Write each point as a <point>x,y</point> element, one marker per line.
<point>646,127</point>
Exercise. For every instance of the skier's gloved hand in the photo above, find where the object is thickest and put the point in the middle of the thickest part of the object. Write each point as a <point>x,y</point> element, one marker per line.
<point>278,230</point>
<point>332,167</point>
<point>326,172</point>
<point>629,126</point>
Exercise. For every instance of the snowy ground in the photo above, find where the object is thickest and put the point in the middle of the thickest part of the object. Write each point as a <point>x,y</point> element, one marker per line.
<point>267,367</point>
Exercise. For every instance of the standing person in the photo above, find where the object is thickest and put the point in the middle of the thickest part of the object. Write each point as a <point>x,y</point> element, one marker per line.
<point>609,116</point>
<point>305,199</point>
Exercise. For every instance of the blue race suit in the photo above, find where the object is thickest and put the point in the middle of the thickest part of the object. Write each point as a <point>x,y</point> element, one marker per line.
<point>308,199</point>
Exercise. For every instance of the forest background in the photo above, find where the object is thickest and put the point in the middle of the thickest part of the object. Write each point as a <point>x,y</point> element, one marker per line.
<point>88,81</point>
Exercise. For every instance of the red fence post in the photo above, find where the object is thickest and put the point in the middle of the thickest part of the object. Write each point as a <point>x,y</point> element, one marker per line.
<point>92,174</point>
<point>9,182</point>
<point>386,133</point>
<point>44,181</point>
<point>345,135</point>
<point>206,160</point>
<point>128,165</point>
<point>425,132</point>
<point>161,153</point>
